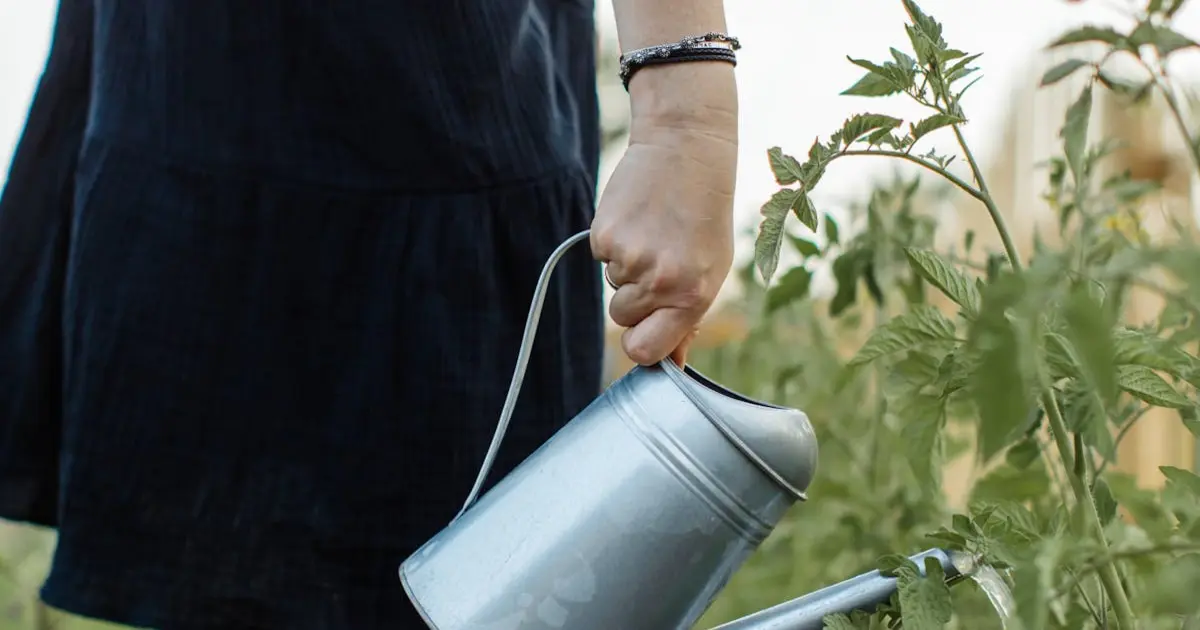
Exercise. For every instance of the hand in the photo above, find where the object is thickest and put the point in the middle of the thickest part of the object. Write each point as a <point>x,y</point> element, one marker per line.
<point>664,224</point>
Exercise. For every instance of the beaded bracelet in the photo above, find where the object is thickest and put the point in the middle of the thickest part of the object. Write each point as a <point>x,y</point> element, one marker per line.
<point>707,47</point>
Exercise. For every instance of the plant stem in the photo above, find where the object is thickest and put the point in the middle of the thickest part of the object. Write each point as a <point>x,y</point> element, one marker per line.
<point>1121,436</point>
<point>1176,111</point>
<point>1107,569</point>
<point>951,177</point>
<point>1014,258</point>
<point>1058,427</point>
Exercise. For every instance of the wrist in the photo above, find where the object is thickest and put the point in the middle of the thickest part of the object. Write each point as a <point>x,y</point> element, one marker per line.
<point>696,97</point>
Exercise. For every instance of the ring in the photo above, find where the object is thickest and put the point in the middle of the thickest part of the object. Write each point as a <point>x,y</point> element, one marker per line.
<point>609,280</point>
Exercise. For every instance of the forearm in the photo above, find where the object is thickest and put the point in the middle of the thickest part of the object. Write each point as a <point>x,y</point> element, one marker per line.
<point>692,94</point>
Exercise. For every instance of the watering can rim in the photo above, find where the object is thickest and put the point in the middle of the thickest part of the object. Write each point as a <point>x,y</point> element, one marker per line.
<point>752,437</point>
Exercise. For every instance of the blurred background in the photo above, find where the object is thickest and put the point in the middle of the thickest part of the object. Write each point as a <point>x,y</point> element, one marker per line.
<point>791,69</point>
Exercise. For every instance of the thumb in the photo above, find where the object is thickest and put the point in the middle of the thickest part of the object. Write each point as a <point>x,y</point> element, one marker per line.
<point>679,356</point>
<point>657,336</point>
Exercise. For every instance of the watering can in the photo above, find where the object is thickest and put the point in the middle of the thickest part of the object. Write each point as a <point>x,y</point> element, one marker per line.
<point>633,516</point>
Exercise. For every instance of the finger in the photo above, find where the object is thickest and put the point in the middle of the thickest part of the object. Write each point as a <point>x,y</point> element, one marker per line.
<point>656,336</point>
<point>680,354</point>
<point>631,304</point>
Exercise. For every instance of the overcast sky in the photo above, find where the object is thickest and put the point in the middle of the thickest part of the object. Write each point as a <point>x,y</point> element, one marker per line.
<point>791,68</point>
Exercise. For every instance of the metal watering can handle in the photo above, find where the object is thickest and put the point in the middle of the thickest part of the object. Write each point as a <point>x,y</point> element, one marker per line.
<point>514,386</point>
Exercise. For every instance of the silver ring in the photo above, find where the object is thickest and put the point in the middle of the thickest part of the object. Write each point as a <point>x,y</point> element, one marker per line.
<point>609,280</point>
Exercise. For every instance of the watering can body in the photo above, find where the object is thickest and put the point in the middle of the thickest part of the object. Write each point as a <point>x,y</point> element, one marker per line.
<point>633,516</point>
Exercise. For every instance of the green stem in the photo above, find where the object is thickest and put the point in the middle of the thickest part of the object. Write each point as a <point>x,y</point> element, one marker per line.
<point>1058,427</point>
<point>1176,112</point>
<point>1107,569</point>
<point>926,164</point>
<point>1121,436</point>
<point>1014,258</point>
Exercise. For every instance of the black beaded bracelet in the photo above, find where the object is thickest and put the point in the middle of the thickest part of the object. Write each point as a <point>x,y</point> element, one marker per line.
<point>707,47</point>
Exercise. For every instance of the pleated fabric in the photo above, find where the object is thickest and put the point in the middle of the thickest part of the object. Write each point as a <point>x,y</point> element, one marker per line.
<point>264,267</point>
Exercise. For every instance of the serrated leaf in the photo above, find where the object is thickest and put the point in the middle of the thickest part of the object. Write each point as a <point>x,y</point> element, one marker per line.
<point>1089,328</point>
<point>786,168</point>
<point>933,123</point>
<point>879,80</point>
<point>1144,384</point>
<point>948,279</point>
<point>892,564</point>
<point>925,601</point>
<point>802,207</point>
<point>1088,34</point>
<point>1185,478</point>
<point>770,232</point>
<point>792,287</point>
<point>1062,71</point>
<point>838,621</point>
<point>1074,132</point>
<point>860,125</point>
<point>911,330</point>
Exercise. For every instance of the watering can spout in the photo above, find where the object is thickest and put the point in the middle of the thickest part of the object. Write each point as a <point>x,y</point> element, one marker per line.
<point>864,592</point>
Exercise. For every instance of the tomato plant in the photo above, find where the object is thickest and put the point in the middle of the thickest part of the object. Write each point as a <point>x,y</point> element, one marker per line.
<point>1031,361</point>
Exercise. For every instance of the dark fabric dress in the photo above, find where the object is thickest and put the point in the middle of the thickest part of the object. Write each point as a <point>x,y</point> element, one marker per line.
<point>264,267</point>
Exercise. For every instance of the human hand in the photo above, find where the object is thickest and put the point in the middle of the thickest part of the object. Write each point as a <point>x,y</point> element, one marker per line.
<point>664,224</point>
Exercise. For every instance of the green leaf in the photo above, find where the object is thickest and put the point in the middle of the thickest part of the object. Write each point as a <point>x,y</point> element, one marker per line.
<point>1184,478</point>
<point>1012,484</point>
<point>770,232</point>
<point>1089,327</point>
<point>948,279</point>
<point>998,385</point>
<point>933,123</point>
<point>893,563</point>
<point>1144,384</point>
<point>1137,92</point>
<point>911,330</point>
<point>1106,504</point>
<point>1089,34</point>
<point>925,601</point>
<point>1062,71</point>
<point>1075,130</point>
<point>831,230</point>
<point>880,80</point>
<point>847,269</point>
<point>792,287</point>
<point>802,207</point>
<point>786,168</point>
<point>804,247</point>
<point>923,417</point>
<point>1024,453</point>
<point>860,125</point>
<point>1163,38</point>
<point>1033,583</point>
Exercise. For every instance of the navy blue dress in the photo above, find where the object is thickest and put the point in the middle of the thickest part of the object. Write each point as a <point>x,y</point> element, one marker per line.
<point>264,268</point>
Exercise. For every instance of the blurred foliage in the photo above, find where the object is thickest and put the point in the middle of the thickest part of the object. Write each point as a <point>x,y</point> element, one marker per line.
<point>1031,362</point>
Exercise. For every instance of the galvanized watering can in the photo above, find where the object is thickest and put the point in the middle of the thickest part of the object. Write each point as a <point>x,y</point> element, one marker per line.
<point>632,517</point>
